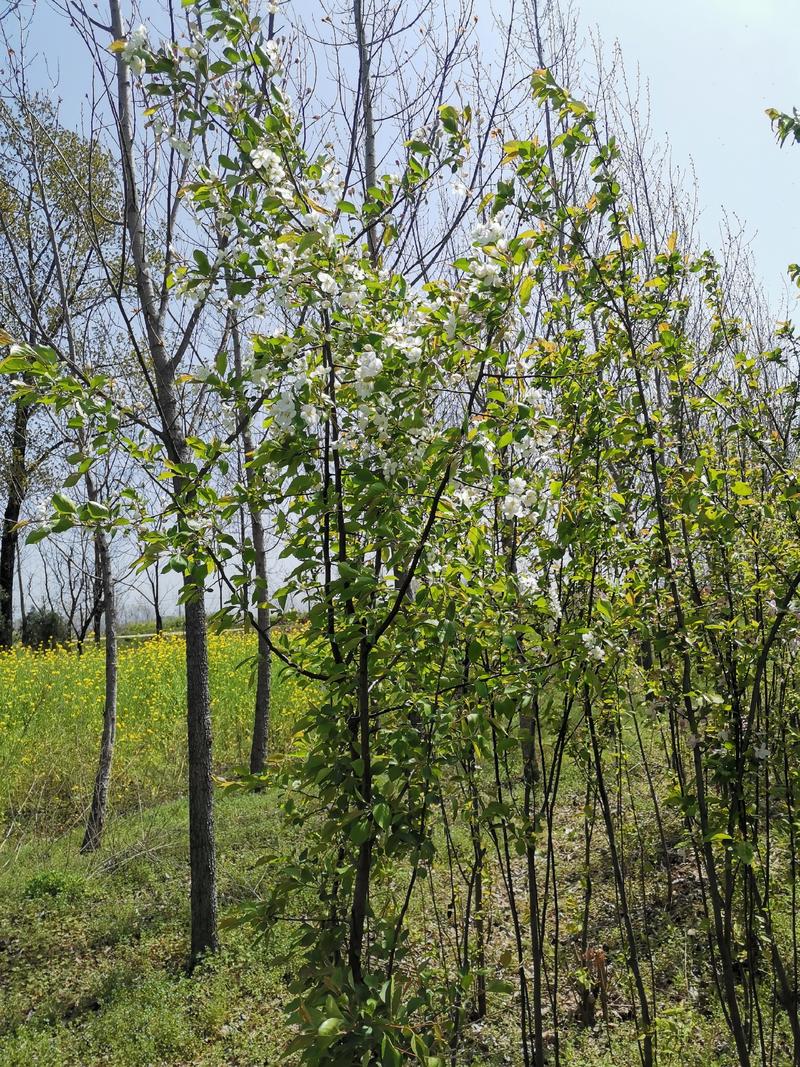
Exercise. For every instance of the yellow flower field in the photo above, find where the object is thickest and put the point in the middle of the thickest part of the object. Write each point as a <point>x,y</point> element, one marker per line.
<point>51,708</point>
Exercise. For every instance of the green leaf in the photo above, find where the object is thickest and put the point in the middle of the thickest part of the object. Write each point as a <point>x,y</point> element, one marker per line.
<point>525,290</point>
<point>329,1027</point>
<point>63,505</point>
<point>744,851</point>
<point>382,815</point>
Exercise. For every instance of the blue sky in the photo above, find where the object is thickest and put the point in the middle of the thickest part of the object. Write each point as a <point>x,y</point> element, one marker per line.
<point>713,67</point>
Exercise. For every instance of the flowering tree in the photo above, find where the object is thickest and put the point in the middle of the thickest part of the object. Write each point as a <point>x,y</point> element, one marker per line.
<point>539,527</point>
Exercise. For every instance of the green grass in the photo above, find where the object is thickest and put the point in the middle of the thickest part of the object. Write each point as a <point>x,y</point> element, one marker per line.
<point>51,707</point>
<point>93,950</point>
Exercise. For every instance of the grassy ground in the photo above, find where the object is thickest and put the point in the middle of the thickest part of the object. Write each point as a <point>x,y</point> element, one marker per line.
<point>93,949</point>
<point>51,706</point>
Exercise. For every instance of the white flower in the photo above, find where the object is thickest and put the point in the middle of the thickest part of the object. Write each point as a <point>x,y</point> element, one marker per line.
<point>511,507</point>
<point>594,650</point>
<point>349,299</point>
<point>553,600</point>
<point>526,578</point>
<point>516,486</point>
<point>533,397</point>
<point>369,365</point>
<point>136,43</point>
<point>283,410</point>
<point>466,496</point>
<point>309,415</point>
<point>268,163</point>
<point>488,233</point>
<point>326,283</point>
<point>761,753</point>
<point>487,273</point>
<point>138,38</point>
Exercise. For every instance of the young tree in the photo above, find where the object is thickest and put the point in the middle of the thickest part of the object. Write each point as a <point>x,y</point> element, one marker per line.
<point>44,229</point>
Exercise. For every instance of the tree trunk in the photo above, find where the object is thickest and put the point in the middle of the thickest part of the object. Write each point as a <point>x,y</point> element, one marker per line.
<point>23,614</point>
<point>9,538</point>
<point>202,852</point>
<point>156,591</point>
<point>361,886</point>
<point>365,90</point>
<point>97,816</point>
<point>201,822</point>
<point>260,746</point>
<point>98,594</point>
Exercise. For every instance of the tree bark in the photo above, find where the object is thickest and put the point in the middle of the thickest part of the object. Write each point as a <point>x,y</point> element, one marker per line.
<point>98,595</point>
<point>202,850</point>
<point>260,746</point>
<point>9,537</point>
<point>97,816</point>
<point>259,749</point>
<point>365,94</point>
<point>204,937</point>
<point>361,886</point>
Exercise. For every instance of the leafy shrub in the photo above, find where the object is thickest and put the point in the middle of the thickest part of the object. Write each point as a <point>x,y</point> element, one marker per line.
<point>54,884</point>
<point>45,628</point>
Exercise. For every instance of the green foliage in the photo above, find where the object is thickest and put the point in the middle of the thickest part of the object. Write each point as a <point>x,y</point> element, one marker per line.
<point>62,884</point>
<point>542,509</point>
<point>45,628</point>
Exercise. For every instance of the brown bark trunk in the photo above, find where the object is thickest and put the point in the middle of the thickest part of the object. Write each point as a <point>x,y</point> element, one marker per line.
<point>260,746</point>
<point>98,595</point>
<point>97,816</point>
<point>9,538</point>
<point>202,852</point>
<point>204,937</point>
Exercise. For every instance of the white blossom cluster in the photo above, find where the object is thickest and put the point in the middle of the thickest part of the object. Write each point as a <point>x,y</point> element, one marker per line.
<point>135,46</point>
<point>519,500</point>
<point>272,172</point>
<point>553,599</point>
<point>530,582</point>
<point>368,368</point>
<point>527,578</point>
<point>489,273</point>
<point>403,336</point>
<point>490,233</point>
<point>594,650</point>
